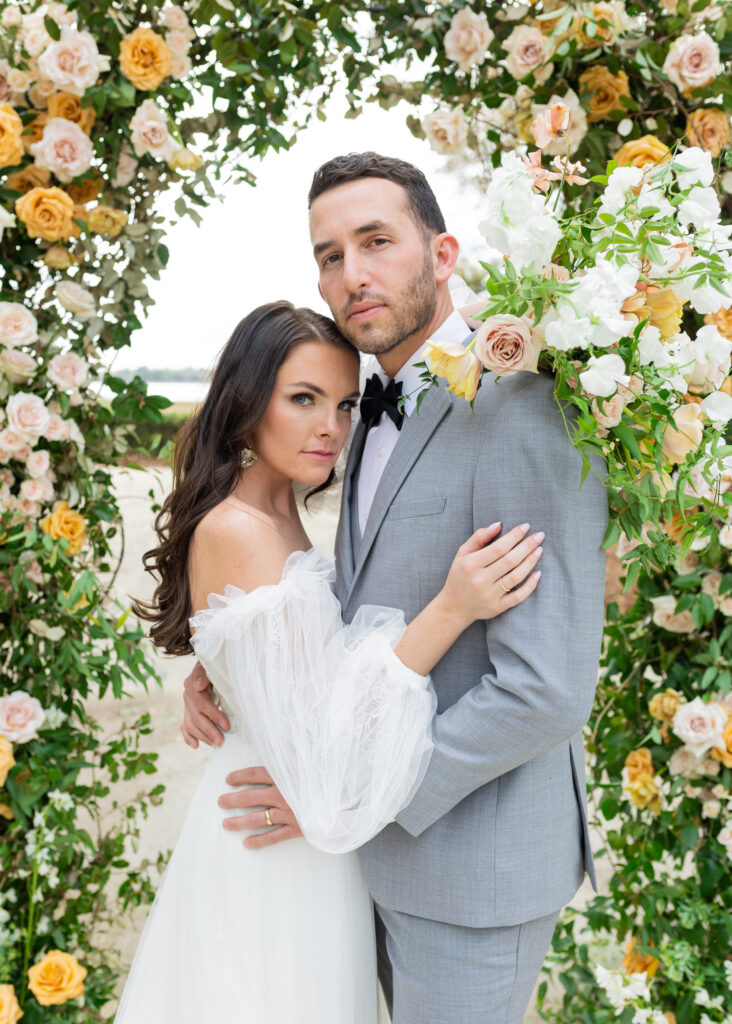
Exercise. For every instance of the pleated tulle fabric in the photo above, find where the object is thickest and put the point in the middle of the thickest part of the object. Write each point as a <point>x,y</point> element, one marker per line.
<point>285,934</point>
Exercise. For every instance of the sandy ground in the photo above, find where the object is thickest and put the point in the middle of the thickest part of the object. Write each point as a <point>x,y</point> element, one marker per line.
<point>179,767</point>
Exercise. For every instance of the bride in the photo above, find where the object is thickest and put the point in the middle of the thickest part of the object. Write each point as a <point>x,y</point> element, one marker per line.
<point>340,715</point>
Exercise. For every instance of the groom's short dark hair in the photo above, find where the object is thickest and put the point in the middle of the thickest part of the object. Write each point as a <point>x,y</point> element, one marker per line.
<point>354,166</point>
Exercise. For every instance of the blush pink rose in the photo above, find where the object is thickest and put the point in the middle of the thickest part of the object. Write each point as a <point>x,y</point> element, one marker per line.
<point>178,42</point>
<point>181,66</point>
<point>18,326</point>
<point>75,299</point>
<point>700,726</point>
<point>31,490</point>
<point>64,149</point>
<point>446,130</point>
<point>21,716</point>
<point>150,134</point>
<point>67,371</point>
<point>38,463</point>
<point>468,38</point>
<point>57,429</point>
<point>528,50</point>
<point>27,415</point>
<point>506,344</point>
<point>17,366</point>
<point>692,62</point>
<point>11,442</point>
<point>73,63</point>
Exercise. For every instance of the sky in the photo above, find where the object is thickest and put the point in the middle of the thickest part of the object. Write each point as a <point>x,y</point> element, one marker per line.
<point>254,246</point>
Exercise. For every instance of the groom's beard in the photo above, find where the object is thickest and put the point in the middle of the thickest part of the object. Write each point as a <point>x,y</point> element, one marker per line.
<point>410,311</point>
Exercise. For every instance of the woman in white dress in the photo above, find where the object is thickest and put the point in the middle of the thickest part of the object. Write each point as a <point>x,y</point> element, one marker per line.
<point>339,715</point>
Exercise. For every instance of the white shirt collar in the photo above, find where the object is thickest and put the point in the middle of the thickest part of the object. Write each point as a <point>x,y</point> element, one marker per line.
<point>453,328</point>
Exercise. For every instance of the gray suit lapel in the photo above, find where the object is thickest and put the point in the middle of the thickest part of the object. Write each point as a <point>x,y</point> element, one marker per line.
<point>344,545</point>
<point>415,433</point>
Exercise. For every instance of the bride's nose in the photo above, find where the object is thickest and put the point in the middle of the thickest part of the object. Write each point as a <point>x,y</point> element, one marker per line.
<point>328,426</point>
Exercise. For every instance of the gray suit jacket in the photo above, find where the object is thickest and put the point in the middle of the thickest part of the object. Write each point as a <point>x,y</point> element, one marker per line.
<point>497,832</point>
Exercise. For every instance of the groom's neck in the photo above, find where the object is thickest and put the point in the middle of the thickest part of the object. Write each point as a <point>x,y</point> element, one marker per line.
<point>392,362</point>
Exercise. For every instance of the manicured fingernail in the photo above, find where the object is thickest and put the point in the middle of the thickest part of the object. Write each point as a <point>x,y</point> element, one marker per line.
<point>524,527</point>
<point>539,551</point>
<point>493,526</point>
<point>539,537</point>
<point>537,574</point>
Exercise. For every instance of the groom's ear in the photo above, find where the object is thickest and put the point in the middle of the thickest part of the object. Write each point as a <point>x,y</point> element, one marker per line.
<point>445,251</point>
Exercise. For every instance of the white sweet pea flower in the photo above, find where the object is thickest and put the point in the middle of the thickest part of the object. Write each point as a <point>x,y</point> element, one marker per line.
<point>700,208</point>
<point>718,407</point>
<point>693,166</point>
<point>566,333</point>
<point>618,187</point>
<point>603,374</point>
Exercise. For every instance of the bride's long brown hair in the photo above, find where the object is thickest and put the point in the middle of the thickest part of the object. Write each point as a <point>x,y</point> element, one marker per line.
<point>208,449</point>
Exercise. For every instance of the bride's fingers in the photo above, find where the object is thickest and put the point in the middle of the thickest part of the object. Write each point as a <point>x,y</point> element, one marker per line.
<point>478,540</point>
<point>512,578</point>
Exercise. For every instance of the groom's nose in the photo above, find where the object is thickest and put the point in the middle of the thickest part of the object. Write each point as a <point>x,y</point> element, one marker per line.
<point>355,272</point>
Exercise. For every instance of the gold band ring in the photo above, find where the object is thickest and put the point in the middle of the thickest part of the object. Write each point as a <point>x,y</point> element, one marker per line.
<point>504,588</point>
<point>267,817</point>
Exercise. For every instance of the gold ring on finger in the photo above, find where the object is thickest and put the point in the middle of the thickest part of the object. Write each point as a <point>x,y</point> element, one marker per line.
<point>504,588</point>
<point>267,817</point>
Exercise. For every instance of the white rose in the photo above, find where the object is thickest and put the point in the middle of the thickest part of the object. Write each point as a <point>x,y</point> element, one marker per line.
<point>18,326</point>
<point>27,415</point>
<point>446,130</point>
<point>150,133</point>
<point>603,374</point>
<point>468,38</point>
<point>693,166</point>
<point>38,462</point>
<point>17,366</point>
<point>67,371</point>
<point>700,726</point>
<point>700,208</point>
<point>692,62</point>
<point>665,615</point>
<point>73,63</point>
<point>75,299</point>
<point>528,50</point>
<point>21,716</point>
<point>64,149</point>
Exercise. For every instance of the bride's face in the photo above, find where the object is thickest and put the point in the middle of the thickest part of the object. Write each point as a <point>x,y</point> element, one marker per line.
<point>309,414</point>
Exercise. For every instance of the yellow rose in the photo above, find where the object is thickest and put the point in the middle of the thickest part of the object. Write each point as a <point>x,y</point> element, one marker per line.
<point>33,132</point>
<point>644,792</point>
<point>10,1011</point>
<point>639,762</point>
<point>642,152</point>
<point>6,812</point>
<point>66,524</point>
<point>664,310</point>
<point>725,756</point>
<point>686,434</point>
<point>6,763</point>
<point>452,360</point>
<point>68,106</point>
<point>60,258</point>
<point>184,160</point>
<point>86,190</point>
<point>722,319</point>
<point>47,213</point>
<point>709,128</point>
<point>104,220</point>
<point>11,141</point>
<point>665,705</point>
<point>607,19</point>
<point>56,978</point>
<point>606,89</point>
<point>30,177</point>
<point>145,59</point>
<point>637,962</point>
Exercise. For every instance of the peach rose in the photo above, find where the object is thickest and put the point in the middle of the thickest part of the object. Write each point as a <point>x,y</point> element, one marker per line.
<point>145,58</point>
<point>605,91</point>
<point>104,220</point>
<point>11,142</point>
<point>27,178</point>
<point>57,978</point>
<point>150,133</point>
<point>66,524</point>
<point>460,367</point>
<point>86,190</point>
<point>18,326</point>
<point>639,762</point>
<point>21,716</point>
<point>75,299</point>
<point>700,726</point>
<point>685,435</point>
<point>709,129</point>
<point>67,371</point>
<point>642,152</point>
<point>73,63</point>
<point>665,615</point>
<point>446,130</point>
<point>722,320</point>
<point>723,752</point>
<point>17,366</point>
<point>611,413</point>
<point>692,62</point>
<point>6,763</point>
<point>27,415</point>
<point>10,1011</point>
<point>506,344</point>
<point>64,149</point>
<point>665,705</point>
<point>47,213</point>
<point>33,131</point>
<point>38,463</point>
<point>68,106</point>
<point>528,51</point>
<point>468,38</point>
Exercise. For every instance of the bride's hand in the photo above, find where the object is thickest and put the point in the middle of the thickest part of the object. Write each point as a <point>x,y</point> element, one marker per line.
<point>489,575</point>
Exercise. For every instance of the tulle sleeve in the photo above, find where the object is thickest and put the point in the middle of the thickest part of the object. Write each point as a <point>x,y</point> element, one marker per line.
<point>343,726</point>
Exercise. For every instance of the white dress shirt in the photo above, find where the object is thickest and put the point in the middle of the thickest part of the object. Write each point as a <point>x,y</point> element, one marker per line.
<point>383,436</point>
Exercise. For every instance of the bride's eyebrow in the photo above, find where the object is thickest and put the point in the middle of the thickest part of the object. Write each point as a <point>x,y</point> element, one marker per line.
<point>317,390</point>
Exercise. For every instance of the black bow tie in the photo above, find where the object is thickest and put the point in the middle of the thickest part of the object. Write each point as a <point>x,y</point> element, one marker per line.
<point>377,399</point>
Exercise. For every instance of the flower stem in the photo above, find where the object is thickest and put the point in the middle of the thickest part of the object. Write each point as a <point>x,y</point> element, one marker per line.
<point>29,932</point>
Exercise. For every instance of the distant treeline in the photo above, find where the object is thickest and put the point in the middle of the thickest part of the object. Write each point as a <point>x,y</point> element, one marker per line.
<point>188,373</point>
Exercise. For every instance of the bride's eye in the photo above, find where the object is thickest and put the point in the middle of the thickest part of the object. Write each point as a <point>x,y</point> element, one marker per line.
<point>302,398</point>
<point>348,405</point>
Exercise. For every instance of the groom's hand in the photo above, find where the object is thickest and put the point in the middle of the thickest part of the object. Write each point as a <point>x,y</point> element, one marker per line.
<point>202,720</point>
<point>265,795</point>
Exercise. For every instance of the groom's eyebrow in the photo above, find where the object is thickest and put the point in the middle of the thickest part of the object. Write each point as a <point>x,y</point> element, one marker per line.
<point>365,229</point>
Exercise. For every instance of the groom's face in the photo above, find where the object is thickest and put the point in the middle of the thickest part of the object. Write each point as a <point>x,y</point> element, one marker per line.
<point>376,268</point>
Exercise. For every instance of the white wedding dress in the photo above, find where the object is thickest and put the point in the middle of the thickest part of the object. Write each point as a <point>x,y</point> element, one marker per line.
<point>285,935</point>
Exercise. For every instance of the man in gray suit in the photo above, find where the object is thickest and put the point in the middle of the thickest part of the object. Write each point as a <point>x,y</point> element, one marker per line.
<point>469,880</point>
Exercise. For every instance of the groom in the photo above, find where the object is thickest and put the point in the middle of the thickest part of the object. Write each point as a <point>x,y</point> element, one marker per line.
<point>470,879</point>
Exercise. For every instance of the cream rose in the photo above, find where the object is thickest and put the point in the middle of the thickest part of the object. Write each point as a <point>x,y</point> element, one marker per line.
<point>178,42</point>
<point>446,130</point>
<point>73,63</point>
<point>11,442</point>
<point>683,762</point>
<point>181,66</point>
<point>528,51</point>
<point>686,434</point>
<point>64,149</point>
<point>692,62</point>
<point>611,412</point>
<point>126,168</point>
<point>27,415</point>
<point>31,490</point>
<point>468,38</point>
<point>67,371</point>
<point>665,615</point>
<point>175,18</point>
<point>460,367</point>
<point>506,344</point>
<point>57,429</point>
<point>21,716</point>
<point>18,326</point>
<point>38,463</point>
<point>75,299</point>
<point>150,133</point>
<point>700,726</point>
<point>725,838</point>
<point>16,365</point>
